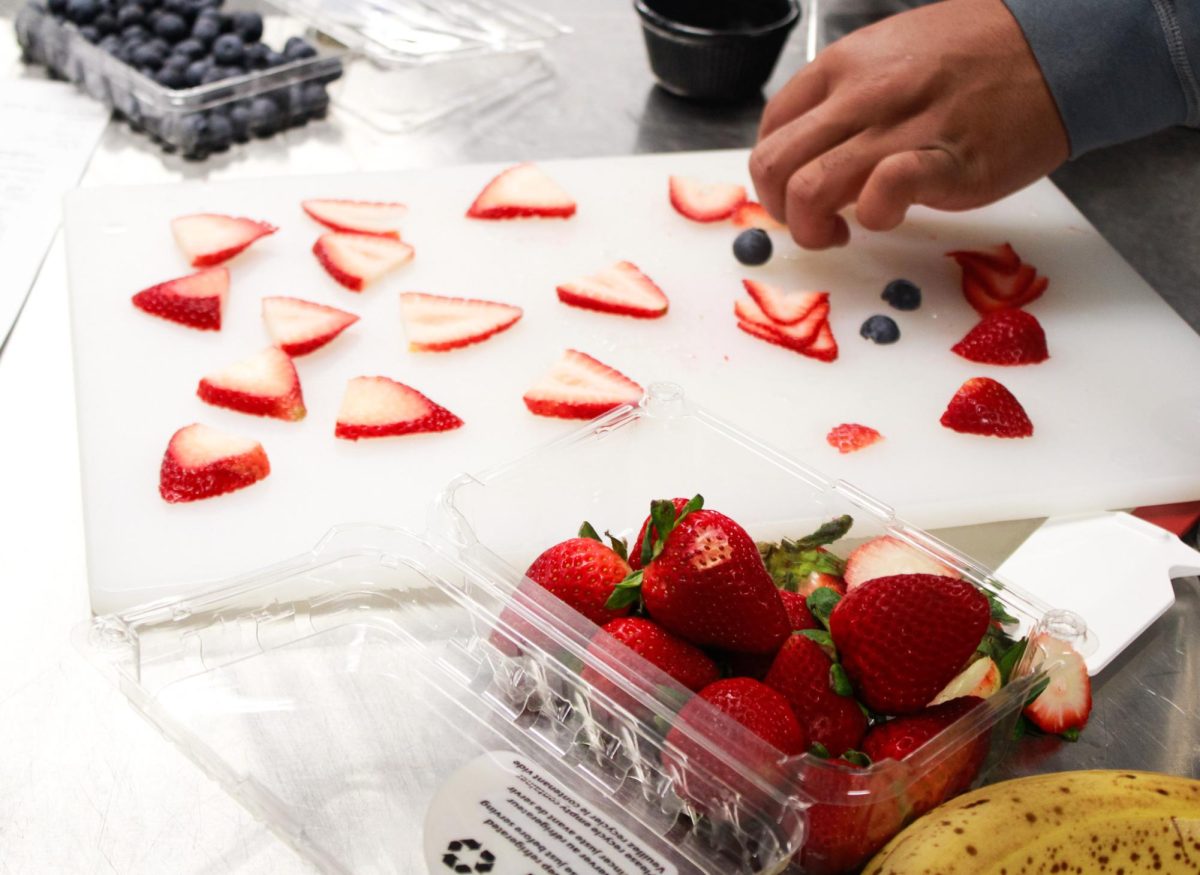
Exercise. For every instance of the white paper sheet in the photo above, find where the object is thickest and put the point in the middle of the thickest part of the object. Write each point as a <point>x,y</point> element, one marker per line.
<point>47,133</point>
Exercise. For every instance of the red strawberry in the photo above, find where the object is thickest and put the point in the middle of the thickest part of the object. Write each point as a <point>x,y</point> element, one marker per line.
<point>580,387</point>
<point>795,604</point>
<point>980,679</point>
<point>801,673</point>
<point>756,665</point>
<point>705,202</point>
<point>265,384</point>
<point>752,214</point>
<point>620,289</point>
<point>523,190</point>
<point>983,406</point>
<point>885,556</point>
<point>799,336</point>
<point>1066,703</point>
<point>362,217</point>
<point>195,301</point>
<point>635,551</point>
<point>378,407</point>
<point>850,436</point>
<point>435,323</point>
<point>299,326</point>
<point>751,703</point>
<point>824,348</point>
<point>850,820</point>
<point>954,770</point>
<point>355,260</point>
<point>583,573</point>
<point>687,664</point>
<point>201,462</point>
<point>1005,337</point>
<point>207,238</point>
<point>780,307</point>
<point>902,638</point>
<point>997,279</point>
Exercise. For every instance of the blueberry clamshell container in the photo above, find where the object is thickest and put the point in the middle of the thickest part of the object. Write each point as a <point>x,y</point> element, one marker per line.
<point>389,700</point>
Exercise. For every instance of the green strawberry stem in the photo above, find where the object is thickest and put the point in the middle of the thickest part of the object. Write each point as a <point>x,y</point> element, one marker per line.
<point>1009,659</point>
<point>618,545</point>
<point>626,593</point>
<point>858,758</point>
<point>829,532</point>
<point>790,562</point>
<point>823,640</point>
<point>663,521</point>
<point>821,603</point>
<point>839,681</point>
<point>819,750</point>
<point>588,531</point>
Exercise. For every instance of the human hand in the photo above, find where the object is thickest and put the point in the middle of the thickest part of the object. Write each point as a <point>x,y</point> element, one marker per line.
<point>943,105</point>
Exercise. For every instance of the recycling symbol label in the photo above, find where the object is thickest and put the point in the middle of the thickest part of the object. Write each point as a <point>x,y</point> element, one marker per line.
<point>466,856</point>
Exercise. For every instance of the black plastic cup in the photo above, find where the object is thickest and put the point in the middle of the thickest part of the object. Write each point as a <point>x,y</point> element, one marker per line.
<point>721,50</point>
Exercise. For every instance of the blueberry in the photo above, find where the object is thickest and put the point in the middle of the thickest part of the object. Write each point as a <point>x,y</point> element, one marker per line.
<point>178,7</point>
<point>130,15</point>
<point>196,71</point>
<point>159,45</point>
<point>256,56</point>
<point>110,43</point>
<point>274,59</point>
<point>148,4</point>
<point>228,49</point>
<point>226,22</point>
<point>220,131</point>
<point>206,29</point>
<point>902,294</point>
<point>881,329</point>
<point>752,247</point>
<point>190,48</point>
<point>239,118</point>
<point>316,100</point>
<point>172,76</point>
<point>191,130</point>
<point>58,8</point>
<point>147,56</point>
<point>265,117</point>
<point>89,33</point>
<point>135,32</point>
<point>105,23</point>
<point>296,48</point>
<point>82,11</point>
<point>248,25</point>
<point>171,27</point>
<point>214,74</point>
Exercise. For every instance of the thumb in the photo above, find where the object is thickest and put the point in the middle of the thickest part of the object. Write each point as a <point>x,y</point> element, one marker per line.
<point>931,177</point>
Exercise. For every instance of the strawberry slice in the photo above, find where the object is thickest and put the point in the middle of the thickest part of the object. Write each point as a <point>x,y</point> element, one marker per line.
<point>201,462</point>
<point>798,337</point>
<point>997,279</point>
<point>620,289</point>
<point>783,308</point>
<point>824,348</point>
<point>752,214</point>
<point>435,324</point>
<point>376,407</point>
<point>1005,337</point>
<point>196,300</point>
<point>521,191</point>
<point>580,387</point>
<point>984,407</point>
<point>1066,703</point>
<point>850,437</point>
<point>298,327</point>
<point>208,238</point>
<point>705,202</point>
<point>363,217</point>
<point>886,556</point>
<point>265,384</point>
<point>355,260</point>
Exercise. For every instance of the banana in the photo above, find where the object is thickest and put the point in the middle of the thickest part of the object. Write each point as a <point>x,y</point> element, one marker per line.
<point>1099,821</point>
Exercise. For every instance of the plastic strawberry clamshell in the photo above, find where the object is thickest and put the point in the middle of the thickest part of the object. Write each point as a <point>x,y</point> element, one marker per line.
<point>365,702</point>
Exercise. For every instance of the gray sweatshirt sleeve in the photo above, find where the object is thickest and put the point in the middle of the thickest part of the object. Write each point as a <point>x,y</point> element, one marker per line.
<point>1118,69</point>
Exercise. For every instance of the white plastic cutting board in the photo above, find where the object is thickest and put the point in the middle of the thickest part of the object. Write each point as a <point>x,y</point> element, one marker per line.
<point>1116,409</point>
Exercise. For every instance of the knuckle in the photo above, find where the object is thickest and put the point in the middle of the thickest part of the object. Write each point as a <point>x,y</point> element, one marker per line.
<point>802,189</point>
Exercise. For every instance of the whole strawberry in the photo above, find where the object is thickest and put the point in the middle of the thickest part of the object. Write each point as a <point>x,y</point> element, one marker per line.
<point>583,573</point>
<point>635,558</point>
<point>687,664</point>
<point>902,638</point>
<point>802,673</point>
<point>850,819</point>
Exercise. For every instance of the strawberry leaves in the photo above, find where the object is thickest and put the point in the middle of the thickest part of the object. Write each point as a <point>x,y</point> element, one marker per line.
<point>822,602</point>
<point>790,562</point>
<point>587,530</point>
<point>663,520</point>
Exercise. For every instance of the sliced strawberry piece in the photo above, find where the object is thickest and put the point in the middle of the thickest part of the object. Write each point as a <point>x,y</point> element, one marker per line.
<point>984,407</point>
<point>1005,337</point>
<point>797,337</point>
<point>299,327</point>
<point>824,347</point>
<point>195,301</point>
<point>620,289</point>
<point>201,462</point>
<point>580,387</point>
<point>208,238</point>
<point>521,191</point>
<point>997,279</point>
<point>752,214</point>
<point>435,323</point>
<point>1001,259</point>
<point>355,260</point>
<point>265,384</point>
<point>850,437</point>
<point>378,407</point>
<point>705,202</point>
<point>1066,703</point>
<point>886,556</point>
<point>980,679</point>
<point>784,308</point>
<point>363,217</point>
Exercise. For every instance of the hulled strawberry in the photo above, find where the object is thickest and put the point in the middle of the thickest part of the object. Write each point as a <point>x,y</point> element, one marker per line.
<point>435,323</point>
<point>300,327</point>
<point>375,407</point>
<point>689,665</point>
<point>361,217</point>
<point>580,387</point>
<point>1005,337</point>
<point>998,279</point>
<point>984,407</point>
<point>265,384</point>
<point>850,437</point>
<point>902,638</point>
<point>356,260</point>
<point>885,556</point>
<point>201,462</point>
<point>1064,706</point>
<point>522,191</point>
<point>208,238</point>
<point>805,675</point>
<point>621,289</point>
<point>705,202</point>
<point>195,301</point>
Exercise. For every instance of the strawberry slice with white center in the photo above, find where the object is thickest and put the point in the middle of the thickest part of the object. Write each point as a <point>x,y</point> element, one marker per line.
<point>375,407</point>
<point>522,191</point>
<point>209,238</point>
<point>783,308</point>
<point>824,347</point>
<point>705,202</point>
<point>752,214</point>
<point>997,279</point>
<point>298,327</point>
<point>355,260</point>
<point>434,323</point>
<point>1066,703</point>
<point>265,384</point>
<point>195,301</point>
<point>363,217</point>
<point>798,337</point>
<point>580,387</point>
<point>620,289</point>
<point>886,556</point>
<point>201,462</point>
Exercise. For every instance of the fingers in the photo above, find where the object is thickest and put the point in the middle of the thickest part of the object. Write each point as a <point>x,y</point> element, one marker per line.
<point>776,159</point>
<point>817,191</point>
<point>801,93</point>
<point>925,176</point>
